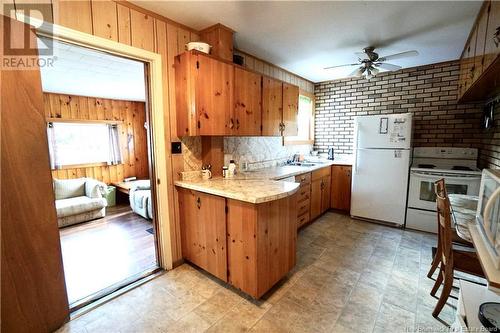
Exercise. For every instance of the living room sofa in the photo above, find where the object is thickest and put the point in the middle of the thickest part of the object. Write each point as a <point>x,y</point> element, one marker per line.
<point>79,200</point>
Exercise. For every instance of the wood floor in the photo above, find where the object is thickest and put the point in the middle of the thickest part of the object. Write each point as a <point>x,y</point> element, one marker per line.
<point>106,251</point>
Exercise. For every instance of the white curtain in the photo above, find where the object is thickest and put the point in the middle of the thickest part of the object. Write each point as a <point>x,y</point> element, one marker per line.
<point>115,156</point>
<point>52,147</point>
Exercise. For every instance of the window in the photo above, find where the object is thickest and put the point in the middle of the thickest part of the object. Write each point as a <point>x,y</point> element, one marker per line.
<point>305,121</point>
<point>83,144</point>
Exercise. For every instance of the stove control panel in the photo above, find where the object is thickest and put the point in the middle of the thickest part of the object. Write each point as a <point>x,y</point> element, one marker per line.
<point>445,152</point>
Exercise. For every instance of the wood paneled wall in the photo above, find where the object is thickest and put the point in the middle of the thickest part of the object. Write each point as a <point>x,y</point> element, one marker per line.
<point>133,136</point>
<point>130,24</point>
<point>279,73</point>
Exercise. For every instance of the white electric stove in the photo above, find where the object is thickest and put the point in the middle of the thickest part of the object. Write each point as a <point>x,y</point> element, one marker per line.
<point>458,167</point>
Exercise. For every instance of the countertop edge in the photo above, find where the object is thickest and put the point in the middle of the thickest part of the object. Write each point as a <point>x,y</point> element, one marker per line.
<point>221,193</point>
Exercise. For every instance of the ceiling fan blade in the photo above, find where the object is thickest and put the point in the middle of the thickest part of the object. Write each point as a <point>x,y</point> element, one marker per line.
<point>389,67</point>
<point>399,55</point>
<point>346,65</point>
<point>358,72</point>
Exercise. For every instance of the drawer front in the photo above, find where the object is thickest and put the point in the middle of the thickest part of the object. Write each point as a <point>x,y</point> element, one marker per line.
<point>323,172</point>
<point>304,192</point>
<point>303,206</point>
<point>302,219</point>
<point>303,179</point>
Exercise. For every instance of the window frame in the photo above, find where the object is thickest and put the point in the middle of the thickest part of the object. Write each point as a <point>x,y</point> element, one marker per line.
<point>310,141</point>
<point>84,121</point>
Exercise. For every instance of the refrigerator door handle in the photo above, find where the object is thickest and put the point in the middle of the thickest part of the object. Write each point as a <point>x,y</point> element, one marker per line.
<point>355,171</point>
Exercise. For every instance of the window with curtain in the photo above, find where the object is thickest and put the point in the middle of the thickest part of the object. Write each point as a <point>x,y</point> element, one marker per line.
<point>83,143</point>
<point>305,121</point>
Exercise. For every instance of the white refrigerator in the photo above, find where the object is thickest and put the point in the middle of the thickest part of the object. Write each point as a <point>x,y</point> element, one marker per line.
<point>382,155</point>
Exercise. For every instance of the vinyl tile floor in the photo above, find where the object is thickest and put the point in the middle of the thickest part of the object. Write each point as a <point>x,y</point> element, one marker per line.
<point>351,276</point>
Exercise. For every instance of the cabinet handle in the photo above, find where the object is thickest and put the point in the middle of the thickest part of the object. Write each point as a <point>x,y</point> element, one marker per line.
<point>198,202</point>
<point>496,37</point>
<point>231,123</point>
<point>237,124</point>
<point>303,179</point>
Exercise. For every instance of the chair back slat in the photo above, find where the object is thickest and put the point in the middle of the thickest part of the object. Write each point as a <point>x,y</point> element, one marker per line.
<point>444,221</point>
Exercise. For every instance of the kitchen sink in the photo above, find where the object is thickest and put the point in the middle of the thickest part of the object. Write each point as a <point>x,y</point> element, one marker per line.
<point>304,164</point>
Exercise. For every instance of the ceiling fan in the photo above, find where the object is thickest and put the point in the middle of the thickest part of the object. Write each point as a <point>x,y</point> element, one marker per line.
<point>369,62</point>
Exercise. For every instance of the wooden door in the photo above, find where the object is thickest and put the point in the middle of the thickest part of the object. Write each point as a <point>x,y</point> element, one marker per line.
<point>325,195</point>
<point>492,49</point>
<point>290,109</point>
<point>247,102</point>
<point>272,106</point>
<point>214,96</point>
<point>33,290</point>
<point>341,187</point>
<point>316,198</point>
<point>203,231</point>
<point>480,41</point>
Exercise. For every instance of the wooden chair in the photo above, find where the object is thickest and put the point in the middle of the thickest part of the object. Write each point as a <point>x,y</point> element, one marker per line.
<point>446,256</point>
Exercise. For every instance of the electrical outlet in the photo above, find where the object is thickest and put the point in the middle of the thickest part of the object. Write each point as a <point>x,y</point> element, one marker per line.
<point>176,148</point>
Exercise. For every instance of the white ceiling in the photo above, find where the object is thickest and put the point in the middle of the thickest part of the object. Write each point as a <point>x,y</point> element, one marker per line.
<point>305,36</point>
<point>85,72</point>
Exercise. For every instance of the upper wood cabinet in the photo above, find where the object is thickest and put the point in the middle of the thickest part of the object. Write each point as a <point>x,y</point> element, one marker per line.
<point>204,95</point>
<point>492,42</point>
<point>341,187</point>
<point>216,97</point>
<point>290,109</point>
<point>220,38</point>
<point>247,102</point>
<point>272,106</point>
<point>479,63</point>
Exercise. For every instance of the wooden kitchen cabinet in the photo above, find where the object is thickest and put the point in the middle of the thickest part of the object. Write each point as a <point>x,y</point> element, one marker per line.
<point>341,187</point>
<point>272,106</point>
<point>479,78</point>
<point>320,192</point>
<point>261,241</point>
<point>218,98</point>
<point>492,40</point>
<point>204,95</point>
<point>203,231</point>
<point>290,109</point>
<point>247,102</point>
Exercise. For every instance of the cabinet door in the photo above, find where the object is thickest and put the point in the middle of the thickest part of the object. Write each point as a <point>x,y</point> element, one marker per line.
<point>469,59</point>
<point>492,46</point>
<point>341,187</point>
<point>247,102</point>
<point>214,96</point>
<point>203,231</point>
<point>290,109</point>
<point>325,194</point>
<point>316,198</point>
<point>480,42</point>
<point>272,106</point>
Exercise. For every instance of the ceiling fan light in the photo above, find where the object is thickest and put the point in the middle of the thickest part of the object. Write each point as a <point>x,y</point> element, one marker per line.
<point>360,71</point>
<point>374,71</point>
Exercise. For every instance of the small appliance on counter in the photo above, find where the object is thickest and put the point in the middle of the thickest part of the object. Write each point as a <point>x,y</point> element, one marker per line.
<point>488,213</point>
<point>382,154</point>
<point>457,166</point>
<point>331,155</point>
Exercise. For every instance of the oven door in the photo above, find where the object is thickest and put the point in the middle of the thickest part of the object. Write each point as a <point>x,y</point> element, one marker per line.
<point>421,190</point>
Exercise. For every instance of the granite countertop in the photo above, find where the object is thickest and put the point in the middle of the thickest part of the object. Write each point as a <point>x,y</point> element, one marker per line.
<point>257,186</point>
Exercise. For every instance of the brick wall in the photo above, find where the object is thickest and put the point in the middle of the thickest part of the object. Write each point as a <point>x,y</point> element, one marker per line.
<point>429,92</point>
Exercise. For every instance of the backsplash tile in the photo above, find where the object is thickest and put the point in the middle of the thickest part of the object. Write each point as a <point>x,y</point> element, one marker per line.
<point>261,152</point>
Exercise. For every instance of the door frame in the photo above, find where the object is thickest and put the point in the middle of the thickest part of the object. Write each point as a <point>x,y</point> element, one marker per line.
<point>159,167</point>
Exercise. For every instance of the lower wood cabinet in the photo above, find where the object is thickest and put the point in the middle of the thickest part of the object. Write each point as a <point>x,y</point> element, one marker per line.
<point>320,192</point>
<point>203,231</point>
<point>341,187</point>
<point>250,246</point>
<point>303,198</point>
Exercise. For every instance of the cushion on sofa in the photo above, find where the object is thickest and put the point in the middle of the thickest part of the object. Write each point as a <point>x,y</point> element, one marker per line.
<point>78,205</point>
<point>69,188</point>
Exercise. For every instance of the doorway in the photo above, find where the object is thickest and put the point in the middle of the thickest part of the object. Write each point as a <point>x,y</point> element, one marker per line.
<point>100,146</point>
